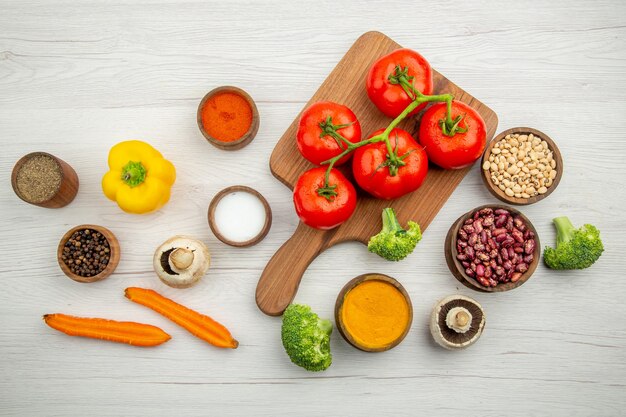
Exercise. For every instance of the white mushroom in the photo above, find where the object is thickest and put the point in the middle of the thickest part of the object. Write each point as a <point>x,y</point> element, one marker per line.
<point>181,261</point>
<point>457,322</point>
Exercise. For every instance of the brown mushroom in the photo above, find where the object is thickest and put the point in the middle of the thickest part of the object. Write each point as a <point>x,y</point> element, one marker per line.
<point>457,322</point>
<point>181,261</point>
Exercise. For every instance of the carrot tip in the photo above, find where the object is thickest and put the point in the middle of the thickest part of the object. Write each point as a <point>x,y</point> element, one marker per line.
<point>235,344</point>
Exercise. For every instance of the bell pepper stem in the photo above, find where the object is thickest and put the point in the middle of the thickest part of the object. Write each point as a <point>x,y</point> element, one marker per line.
<point>133,173</point>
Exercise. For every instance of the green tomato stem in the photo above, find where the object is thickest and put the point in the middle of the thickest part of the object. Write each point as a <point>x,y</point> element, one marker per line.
<point>400,76</point>
<point>449,126</point>
<point>394,161</point>
<point>330,129</point>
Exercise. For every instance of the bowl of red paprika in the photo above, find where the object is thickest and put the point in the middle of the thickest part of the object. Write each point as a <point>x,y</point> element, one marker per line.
<point>228,118</point>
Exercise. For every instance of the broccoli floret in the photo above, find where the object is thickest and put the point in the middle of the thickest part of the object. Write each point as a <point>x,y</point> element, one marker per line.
<point>306,338</point>
<point>393,242</point>
<point>575,248</point>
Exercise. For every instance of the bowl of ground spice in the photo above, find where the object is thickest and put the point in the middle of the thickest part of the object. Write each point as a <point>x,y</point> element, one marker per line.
<point>522,166</point>
<point>373,312</point>
<point>228,118</point>
<point>44,180</point>
<point>88,253</point>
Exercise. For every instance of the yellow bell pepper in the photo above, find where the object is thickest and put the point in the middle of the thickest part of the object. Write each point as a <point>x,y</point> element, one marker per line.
<point>139,179</point>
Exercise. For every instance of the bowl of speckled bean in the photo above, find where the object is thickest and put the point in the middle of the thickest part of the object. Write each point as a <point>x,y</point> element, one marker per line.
<point>492,248</point>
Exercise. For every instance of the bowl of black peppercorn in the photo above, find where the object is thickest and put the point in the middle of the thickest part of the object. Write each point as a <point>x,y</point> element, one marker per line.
<point>88,253</point>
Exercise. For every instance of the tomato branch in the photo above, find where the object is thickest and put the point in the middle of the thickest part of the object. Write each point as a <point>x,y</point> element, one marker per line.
<point>449,126</point>
<point>394,162</point>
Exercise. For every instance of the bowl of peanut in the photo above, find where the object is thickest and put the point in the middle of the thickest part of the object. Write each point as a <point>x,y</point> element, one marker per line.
<point>522,166</point>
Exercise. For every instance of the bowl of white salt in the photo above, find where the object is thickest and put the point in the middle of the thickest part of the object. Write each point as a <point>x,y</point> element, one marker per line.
<point>240,216</point>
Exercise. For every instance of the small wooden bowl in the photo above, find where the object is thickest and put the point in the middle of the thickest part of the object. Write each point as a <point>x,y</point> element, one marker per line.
<point>114,257</point>
<point>339,305</point>
<point>243,140</point>
<point>457,268</point>
<point>216,231</point>
<point>497,192</point>
<point>67,189</point>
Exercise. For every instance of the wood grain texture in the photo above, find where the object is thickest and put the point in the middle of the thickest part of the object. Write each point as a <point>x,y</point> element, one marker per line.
<point>76,78</point>
<point>346,85</point>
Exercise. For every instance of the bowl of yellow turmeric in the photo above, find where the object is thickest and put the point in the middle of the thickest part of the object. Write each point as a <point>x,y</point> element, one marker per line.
<point>373,312</point>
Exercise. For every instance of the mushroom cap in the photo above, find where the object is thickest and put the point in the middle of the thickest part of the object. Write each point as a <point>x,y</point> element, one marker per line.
<point>450,338</point>
<point>191,261</point>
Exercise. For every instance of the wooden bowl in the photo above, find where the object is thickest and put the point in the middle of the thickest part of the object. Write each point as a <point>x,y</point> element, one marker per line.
<point>67,189</point>
<point>114,257</point>
<point>243,140</point>
<point>457,268</point>
<point>497,192</point>
<point>216,231</point>
<point>339,305</point>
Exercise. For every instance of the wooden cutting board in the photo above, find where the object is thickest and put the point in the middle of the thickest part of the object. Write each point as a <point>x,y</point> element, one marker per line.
<point>346,85</point>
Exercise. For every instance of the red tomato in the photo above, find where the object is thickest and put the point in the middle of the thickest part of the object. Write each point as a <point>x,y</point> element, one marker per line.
<point>389,97</point>
<point>374,177</point>
<point>317,211</point>
<point>460,150</point>
<point>319,126</point>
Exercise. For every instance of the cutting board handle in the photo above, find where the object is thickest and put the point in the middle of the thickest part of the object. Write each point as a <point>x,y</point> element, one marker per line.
<point>281,277</point>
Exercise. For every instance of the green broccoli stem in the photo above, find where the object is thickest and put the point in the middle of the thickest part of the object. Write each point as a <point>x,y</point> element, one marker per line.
<point>394,161</point>
<point>390,221</point>
<point>325,325</point>
<point>564,229</point>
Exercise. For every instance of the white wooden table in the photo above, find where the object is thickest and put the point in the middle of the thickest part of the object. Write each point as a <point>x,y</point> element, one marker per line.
<point>77,78</point>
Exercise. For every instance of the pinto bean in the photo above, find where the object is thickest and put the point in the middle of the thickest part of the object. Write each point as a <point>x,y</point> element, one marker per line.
<point>499,231</point>
<point>500,221</point>
<point>469,228</point>
<point>495,246</point>
<point>517,235</point>
<point>529,246</point>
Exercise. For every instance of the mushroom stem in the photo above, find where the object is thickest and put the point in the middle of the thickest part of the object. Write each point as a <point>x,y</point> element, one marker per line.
<point>181,258</point>
<point>459,319</point>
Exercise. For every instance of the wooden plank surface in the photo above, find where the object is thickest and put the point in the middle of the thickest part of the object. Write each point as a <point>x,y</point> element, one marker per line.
<point>346,85</point>
<point>77,77</point>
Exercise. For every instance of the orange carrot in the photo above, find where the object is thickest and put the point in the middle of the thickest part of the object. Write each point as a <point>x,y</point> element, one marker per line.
<point>136,334</point>
<point>201,326</point>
